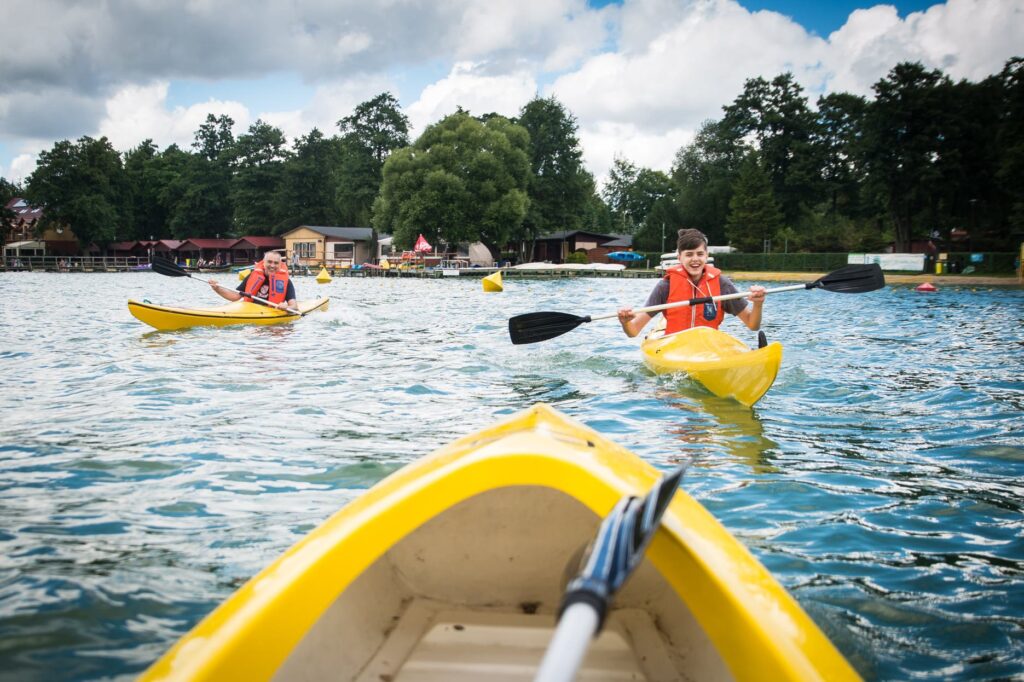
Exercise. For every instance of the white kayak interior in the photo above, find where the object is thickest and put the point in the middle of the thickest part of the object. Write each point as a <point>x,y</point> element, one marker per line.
<point>472,595</point>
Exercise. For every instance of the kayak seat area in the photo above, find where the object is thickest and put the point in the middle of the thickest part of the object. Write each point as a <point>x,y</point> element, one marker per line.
<point>438,645</point>
<point>472,593</point>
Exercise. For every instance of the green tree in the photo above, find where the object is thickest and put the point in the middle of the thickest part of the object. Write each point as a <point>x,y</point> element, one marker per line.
<point>198,189</point>
<point>560,187</point>
<point>754,216</point>
<point>703,173</point>
<point>461,181</point>
<point>369,135</point>
<point>305,195</point>
<point>148,214</point>
<point>1010,139</point>
<point>776,114</point>
<point>8,190</point>
<point>82,186</point>
<point>258,158</point>
<point>619,194</point>
<point>902,135</point>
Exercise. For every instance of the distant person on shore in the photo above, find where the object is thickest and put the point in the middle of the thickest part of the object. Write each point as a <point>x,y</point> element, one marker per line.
<point>694,278</point>
<point>268,280</point>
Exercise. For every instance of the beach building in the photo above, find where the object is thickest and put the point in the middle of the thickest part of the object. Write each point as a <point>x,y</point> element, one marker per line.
<point>331,246</point>
<point>557,246</point>
<point>251,249</point>
<point>25,239</point>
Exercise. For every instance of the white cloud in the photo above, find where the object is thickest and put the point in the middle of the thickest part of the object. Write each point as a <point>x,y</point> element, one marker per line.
<point>472,89</point>
<point>605,141</point>
<point>136,113</point>
<point>640,77</point>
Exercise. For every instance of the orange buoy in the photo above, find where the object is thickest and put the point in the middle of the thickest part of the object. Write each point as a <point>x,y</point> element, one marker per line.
<point>927,288</point>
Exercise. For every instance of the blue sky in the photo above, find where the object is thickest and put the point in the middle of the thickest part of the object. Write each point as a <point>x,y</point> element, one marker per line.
<point>639,75</point>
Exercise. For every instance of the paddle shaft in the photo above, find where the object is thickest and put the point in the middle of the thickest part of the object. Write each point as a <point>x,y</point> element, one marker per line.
<point>568,647</point>
<point>699,301</point>
<point>264,301</point>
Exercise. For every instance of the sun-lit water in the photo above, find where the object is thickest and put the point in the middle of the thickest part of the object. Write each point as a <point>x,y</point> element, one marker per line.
<point>145,475</point>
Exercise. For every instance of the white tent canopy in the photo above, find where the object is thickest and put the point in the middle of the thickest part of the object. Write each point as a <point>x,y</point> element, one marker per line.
<point>19,248</point>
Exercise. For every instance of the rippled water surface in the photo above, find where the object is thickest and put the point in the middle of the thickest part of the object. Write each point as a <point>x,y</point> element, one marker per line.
<point>145,475</point>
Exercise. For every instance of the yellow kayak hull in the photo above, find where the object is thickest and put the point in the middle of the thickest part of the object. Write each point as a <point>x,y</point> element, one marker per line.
<point>441,570</point>
<point>722,363</point>
<point>166,318</point>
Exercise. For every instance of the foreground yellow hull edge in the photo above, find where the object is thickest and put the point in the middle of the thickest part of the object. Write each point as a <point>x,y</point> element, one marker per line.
<point>722,363</point>
<point>758,628</point>
<point>167,318</point>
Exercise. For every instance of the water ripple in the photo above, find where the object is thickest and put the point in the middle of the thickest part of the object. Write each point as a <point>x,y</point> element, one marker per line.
<point>146,475</point>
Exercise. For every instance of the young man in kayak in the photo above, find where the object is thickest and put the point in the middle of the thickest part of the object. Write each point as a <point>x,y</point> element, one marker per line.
<point>694,278</point>
<point>268,280</point>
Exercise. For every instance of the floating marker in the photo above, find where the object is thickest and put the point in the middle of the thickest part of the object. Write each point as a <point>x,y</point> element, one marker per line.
<point>492,282</point>
<point>323,277</point>
<point>926,288</point>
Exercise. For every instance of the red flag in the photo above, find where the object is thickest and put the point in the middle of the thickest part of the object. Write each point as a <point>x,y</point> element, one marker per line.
<point>422,245</point>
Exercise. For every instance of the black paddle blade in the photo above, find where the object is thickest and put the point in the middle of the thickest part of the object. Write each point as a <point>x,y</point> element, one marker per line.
<point>853,279</point>
<point>534,327</point>
<point>166,267</point>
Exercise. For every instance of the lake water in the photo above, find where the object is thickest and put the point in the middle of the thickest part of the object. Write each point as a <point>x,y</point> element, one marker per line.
<point>146,475</point>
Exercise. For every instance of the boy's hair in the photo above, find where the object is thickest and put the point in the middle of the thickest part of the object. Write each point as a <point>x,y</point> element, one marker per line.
<point>690,239</point>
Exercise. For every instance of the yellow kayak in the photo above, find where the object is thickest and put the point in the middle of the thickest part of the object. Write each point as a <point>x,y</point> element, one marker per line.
<point>722,363</point>
<point>238,312</point>
<point>453,568</point>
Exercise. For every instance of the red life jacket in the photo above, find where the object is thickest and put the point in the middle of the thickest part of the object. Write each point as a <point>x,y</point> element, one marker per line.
<point>681,288</point>
<point>277,284</point>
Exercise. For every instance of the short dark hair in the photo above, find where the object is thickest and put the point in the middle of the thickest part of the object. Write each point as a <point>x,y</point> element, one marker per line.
<point>690,238</point>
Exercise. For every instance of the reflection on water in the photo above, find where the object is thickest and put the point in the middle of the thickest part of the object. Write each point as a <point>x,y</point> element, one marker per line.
<point>722,423</point>
<point>144,476</point>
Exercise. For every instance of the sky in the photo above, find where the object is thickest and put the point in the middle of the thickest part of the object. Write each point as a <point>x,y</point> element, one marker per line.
<point>639,75</point>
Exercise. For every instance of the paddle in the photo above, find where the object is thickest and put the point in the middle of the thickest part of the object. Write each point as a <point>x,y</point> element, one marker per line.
<point>172,269</point>
<point>616,551</point>
<point>534,327</point>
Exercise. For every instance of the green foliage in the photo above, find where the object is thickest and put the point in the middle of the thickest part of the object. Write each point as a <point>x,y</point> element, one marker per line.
<point>780,262</point>
<point>461,181</point>
<point>632,192</point>
<point>8,190</point>
<point>306,192</point>
<point>754,217</point>
<point>579,257</point>
<point>81,185</point>
<point>776,114</point>
<point>257,161</point>
<point>147,216</point>
<point>561,189</point>
<point>704,172</point>
<point>369,135</point>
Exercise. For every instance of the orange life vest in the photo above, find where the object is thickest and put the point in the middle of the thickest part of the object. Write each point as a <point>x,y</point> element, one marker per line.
<point>277,283</point>
<point>682,288</point>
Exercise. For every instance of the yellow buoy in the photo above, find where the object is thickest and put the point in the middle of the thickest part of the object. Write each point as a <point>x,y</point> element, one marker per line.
<point>492,282</point>
<point>323,277</point>
<point>242,274</point>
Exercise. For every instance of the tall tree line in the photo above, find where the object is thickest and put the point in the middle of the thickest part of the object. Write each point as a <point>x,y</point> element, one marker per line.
<point>919,158</point>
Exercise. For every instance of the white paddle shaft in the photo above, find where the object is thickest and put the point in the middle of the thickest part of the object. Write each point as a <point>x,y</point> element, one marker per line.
<point>568,647</point>
<point>264,301</point>
<point>679,304</point>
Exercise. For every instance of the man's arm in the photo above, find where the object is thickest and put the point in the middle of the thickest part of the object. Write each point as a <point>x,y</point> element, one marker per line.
<point>223,291</point>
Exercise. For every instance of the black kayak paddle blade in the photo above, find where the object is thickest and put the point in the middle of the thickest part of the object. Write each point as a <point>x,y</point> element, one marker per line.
<point>535,327</point>
<point>852,279</point>
<point>169,268</point>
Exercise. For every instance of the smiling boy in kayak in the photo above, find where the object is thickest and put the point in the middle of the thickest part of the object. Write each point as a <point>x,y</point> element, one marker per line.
<point>268,280</point>
<point>694,278</point>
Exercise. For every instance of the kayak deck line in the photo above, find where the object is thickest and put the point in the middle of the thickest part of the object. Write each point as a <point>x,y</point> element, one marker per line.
<point>167,318</point>
<point>453,565</point>
<point>720,362</point>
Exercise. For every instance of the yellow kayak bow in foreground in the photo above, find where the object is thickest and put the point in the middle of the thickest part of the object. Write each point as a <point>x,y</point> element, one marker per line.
<point>452,569</point>
<point>722,363</point>
<point>166,318</point>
